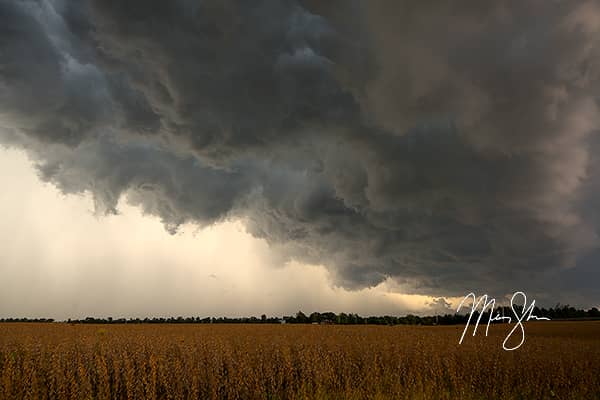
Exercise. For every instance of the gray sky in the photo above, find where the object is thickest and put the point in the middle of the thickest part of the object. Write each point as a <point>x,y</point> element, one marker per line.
<point>338,155</point>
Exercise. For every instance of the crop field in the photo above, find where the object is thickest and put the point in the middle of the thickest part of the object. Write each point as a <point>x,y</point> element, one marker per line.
<point>559,360</point>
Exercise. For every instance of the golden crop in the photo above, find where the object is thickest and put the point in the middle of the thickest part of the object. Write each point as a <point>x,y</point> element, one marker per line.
<point>559,360</point>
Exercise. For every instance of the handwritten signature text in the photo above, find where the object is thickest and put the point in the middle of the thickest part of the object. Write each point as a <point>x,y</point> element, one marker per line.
<point>521,313</point>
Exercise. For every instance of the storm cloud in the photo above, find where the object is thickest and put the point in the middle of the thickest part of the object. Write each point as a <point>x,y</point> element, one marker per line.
<point>448,146</point>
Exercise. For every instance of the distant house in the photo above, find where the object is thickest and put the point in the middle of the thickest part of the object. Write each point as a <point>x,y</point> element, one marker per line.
<point>327,322</point>
<point>282,321</point>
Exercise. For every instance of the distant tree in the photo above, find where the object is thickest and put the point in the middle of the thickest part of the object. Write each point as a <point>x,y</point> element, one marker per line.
<point>315,317</point>
<point>301,318</point>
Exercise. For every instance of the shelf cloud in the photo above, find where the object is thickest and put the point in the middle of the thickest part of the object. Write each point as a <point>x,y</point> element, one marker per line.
<point>450,146</point>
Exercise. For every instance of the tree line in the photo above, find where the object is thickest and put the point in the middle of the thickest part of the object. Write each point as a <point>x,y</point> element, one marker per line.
<point>557,312</point>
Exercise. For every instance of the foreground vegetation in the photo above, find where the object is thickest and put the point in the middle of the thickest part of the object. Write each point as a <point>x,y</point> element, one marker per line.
<point>559,360</point>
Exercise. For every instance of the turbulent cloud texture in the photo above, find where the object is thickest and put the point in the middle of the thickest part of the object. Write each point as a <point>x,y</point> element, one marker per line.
<point>448,146</point>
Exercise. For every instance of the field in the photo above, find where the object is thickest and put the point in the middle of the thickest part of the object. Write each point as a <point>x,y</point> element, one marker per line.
<point>559,360</point>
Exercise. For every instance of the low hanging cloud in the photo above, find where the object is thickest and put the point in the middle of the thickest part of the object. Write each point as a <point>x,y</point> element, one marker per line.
<point>449,147</point>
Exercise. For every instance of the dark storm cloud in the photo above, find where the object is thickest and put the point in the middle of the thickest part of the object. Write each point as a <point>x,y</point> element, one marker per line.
<point>45,92</point>
<point>446,146</point>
